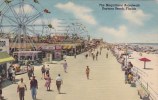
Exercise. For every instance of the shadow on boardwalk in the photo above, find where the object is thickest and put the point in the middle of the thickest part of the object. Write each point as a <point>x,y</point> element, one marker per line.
<point>6,83</point>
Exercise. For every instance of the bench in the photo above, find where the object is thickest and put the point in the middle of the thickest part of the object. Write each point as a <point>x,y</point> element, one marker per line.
<point>143,93</point>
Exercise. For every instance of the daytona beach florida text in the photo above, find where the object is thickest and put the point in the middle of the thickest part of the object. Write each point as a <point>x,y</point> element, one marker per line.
<point>119,6</point>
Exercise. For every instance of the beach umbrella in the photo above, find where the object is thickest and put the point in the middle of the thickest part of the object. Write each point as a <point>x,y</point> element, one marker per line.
<point>145,60</point>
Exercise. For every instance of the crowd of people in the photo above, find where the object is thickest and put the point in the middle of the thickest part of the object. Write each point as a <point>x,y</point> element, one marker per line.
<point>94,53</point>
<point>22,87</point>
<point>11,73</point>
<point>34,84</point>
<point>45,75</point>
<point>130,75</point>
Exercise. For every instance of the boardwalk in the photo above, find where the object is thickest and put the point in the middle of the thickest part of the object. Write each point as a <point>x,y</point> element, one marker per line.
<point>106,81</point>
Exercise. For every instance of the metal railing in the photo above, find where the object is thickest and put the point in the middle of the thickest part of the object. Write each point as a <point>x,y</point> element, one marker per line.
<point>147,87</point>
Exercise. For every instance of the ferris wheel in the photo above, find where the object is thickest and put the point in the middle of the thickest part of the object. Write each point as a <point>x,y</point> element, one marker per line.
<point>77,31</point>
<point>23,22</point>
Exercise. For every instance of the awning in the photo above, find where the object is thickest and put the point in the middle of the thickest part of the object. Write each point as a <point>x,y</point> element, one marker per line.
<point>5,57</point>
<point>65,46</point>
<point>69,47</point>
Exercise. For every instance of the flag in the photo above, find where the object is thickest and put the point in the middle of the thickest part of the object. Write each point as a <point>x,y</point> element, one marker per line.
<point>50,26</point>
<point>7,1</point>
<point>36,1</point>
<point>46,11</point>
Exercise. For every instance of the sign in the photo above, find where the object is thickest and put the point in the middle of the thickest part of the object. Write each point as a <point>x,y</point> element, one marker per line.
<point>52,47</point>
<point>58,47</point>
<point>57,55</point>
<point>48,47</point>
<point>4,45</point>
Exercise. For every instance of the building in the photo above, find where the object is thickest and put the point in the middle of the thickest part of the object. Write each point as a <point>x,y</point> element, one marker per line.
<point>97,41</point>
<point>5,58</point>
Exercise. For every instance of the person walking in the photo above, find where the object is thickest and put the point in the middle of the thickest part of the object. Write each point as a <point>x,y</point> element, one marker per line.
<point>75,55</point>
<point>33,87</point>
<point>59,81</point>
<point>29,72</point>
<point>87,72</point>
<point>93,55</point>
<point>48,82</point>
<point>100,50</point>
<point>107,55</point>
<point>43,70</point>
<point>21,89</point>
<point>86,56</point>
<point>13,75</point>
<point>97,55</point>
<point>26,62</point>
<point>1,97</point>
<point>32,70</point>
<point>65,66</point>
<point>10,72</point>
<point>47,71</point>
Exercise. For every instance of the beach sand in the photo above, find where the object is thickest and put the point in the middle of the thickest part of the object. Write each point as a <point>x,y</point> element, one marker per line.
<point>150,74</point>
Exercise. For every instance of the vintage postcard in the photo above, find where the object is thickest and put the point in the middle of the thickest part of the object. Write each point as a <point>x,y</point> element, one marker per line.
<point>78,49</point>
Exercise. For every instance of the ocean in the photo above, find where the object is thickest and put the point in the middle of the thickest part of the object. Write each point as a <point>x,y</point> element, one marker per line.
<point>154,45</point>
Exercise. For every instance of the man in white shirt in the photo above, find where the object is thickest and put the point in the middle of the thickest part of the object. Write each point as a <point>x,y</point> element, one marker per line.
<point>21,89</point>
<point>59,81</point>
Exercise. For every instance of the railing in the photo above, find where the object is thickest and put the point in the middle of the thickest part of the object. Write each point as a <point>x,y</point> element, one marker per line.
<point>139,71</point>
<point>153,94</point>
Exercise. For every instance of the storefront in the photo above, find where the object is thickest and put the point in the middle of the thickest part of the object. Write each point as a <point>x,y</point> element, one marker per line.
<point>53,52</point>
<point>58,55</point>
<point>5,58</point>
<point>31,56</point>
<point>3,70</point>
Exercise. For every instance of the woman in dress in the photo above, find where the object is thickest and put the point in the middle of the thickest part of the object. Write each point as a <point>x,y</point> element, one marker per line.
<point>29,72</point>
<point>48,82</point>
<point>65,66</point>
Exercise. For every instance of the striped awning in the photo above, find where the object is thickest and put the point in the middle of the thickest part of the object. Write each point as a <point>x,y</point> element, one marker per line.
<point>65,46</point>
<point>69,47</point>
<point>5,57</point>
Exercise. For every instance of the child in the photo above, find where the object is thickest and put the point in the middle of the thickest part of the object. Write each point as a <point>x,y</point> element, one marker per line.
<point>47,72</point>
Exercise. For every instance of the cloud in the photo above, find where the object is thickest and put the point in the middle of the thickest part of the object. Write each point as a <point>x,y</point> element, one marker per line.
<point>56,22</point>
<point>120,32</point>
<point>43,21</point>
<point>81,12</point>
<point>40,21</point>
<point>58,25</point>
<point>136,16</point>
<point>27,9</point>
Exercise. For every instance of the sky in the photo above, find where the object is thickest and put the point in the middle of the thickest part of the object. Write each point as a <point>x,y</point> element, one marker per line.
<point>129,26</point>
